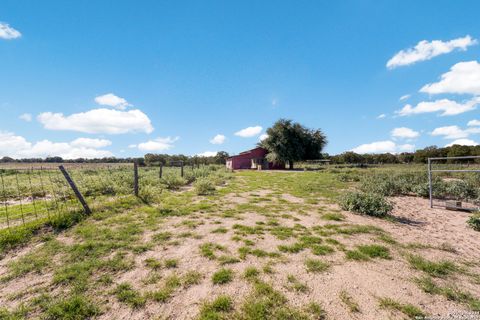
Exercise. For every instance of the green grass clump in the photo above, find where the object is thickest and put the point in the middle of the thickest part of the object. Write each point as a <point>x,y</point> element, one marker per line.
<point>220,230</point>
<point>74,307</point>
<point>293,248</point>
<point>435,269</point>
<point>314,265</point>
<point>365,252</point>
<point>351,304</point>
<point>474,221</point>
<point>333,217</point>
<point>321,250</point>
<point>153,263</point>
<point>366,203</point>
<point>171,284</point>
<point>222,276</point>
<point>191,278</point>
<point>251,273</point>
<point>451,293</point>
<point>208,250</point>
<point>126,294</point>
<point>216,309</point>
<point>296,284</point>
<point>171,263</point>
<point>408,309</point>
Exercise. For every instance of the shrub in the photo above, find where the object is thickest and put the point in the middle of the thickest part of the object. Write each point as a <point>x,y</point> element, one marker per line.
<point>173,181</point>
<point>474,221</point>
<point>204,186</point>
<point>366,203</point>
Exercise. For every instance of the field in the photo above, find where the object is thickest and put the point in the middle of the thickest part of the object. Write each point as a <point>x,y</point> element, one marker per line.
<point>243,245</point>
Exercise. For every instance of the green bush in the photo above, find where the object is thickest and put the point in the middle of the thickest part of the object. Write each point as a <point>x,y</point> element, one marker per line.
<point>204,186</point>
<point>474,221</point>
<point>173,181</point>
<point>366,203</point>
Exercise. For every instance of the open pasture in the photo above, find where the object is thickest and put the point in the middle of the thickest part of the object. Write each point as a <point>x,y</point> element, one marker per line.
<point>248,245</point>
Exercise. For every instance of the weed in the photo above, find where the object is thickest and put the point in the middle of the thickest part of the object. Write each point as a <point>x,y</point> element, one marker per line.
<point>222,276</point>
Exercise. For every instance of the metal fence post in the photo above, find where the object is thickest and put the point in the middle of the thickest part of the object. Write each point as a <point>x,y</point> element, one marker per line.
<point>430,187</point>
<point>75,190</point>
<point>135,178</point>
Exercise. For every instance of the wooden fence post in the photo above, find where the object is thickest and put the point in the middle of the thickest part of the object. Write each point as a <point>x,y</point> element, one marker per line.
<point>78,194</point>
<point>181,170</point>
<point>161,171</point>
<point>135,178</point>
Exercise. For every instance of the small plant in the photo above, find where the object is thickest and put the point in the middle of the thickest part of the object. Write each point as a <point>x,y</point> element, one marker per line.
<point>191,278</point>
<point>409,310</point>
<point>173,181</point>
<point>222,276</point>
<point>153,263</point>
<point>251,273</point>
<point>171,263</point>
<point>216,309</point>
<point>296,284</point>
<point>474,221</point>
<point>125,293</point>
<point>349,302</point>
<point>435,269</point>
<point>365,252</point>
<point>366,203</point>
<point>333,216</point>
<point>316,266</point>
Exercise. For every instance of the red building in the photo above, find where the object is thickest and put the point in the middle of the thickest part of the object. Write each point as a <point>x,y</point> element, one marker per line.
<point>252,159</point>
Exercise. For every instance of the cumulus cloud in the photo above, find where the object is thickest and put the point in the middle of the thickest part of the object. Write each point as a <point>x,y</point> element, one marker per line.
<point>98,121</point>
<point>207,154</point>
<point>381,116</point>
<point>462,142</point>
<point>383,147</point>
<point>18,147</point>
<point>26,117</point>
<point>158,144</point>
<point>446,107</point>
<point>263,137</point>
<point>218,139</point>
<point>425,50</point>
<point>473,123</point>
<point>7,32</point>
<point>404,133</point>
<point>454,132</point>
<point>249,132</point>
<point>463,78</point>
<point>112,100</point>
<point>91,143</point>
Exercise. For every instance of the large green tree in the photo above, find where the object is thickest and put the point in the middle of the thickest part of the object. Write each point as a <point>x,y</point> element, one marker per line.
<point>289,141</point>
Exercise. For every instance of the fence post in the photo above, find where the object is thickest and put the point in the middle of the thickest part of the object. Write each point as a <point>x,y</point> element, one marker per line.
<point>181,170</point>
<point>430,187</point>
<point>161,171</point>
<point>75,190</point>
<point>135,178</point>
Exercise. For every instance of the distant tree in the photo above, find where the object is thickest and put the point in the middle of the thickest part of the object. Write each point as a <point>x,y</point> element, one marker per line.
<point>289,141</point>
<point>221,157</point>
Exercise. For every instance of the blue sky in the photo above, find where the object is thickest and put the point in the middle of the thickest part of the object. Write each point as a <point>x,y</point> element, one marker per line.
<point>123,78</point>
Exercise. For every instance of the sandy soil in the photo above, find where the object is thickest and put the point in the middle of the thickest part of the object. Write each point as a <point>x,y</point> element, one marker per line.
<point>364,281</point>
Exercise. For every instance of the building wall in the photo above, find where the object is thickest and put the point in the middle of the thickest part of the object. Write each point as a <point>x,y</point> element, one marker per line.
<point>244,160</point>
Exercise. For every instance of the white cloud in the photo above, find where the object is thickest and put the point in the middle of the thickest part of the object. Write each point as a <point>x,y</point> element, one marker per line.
<point>249,132</point>
<point>454,132</point>
<point>425,50</point>
<point>207,154</point>
<point>404,97</point>
<point>98,121</point>
<point>383,147</point>
<point>473,123</point>
<point>218,139</point>
<point>112,100</point>
<point>445,106</point>
<point>7,32</point>
<point>158,144</point>
<point>17,147</point>
<point>450,132</point>
<point>462,142</point>
<point>405,133</point>
<point>463,78</point>
<point>26,117</point>
<point>381,116</point>
<point>91,143</point>
<point>263,137</point>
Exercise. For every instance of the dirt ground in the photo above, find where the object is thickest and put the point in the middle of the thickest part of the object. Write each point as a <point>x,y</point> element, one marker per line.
<point>435,234</point>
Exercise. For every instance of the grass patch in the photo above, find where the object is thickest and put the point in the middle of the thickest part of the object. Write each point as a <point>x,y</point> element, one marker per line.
<point>316,266</point>
<point>222,276</point>
<point>348,301</point>
<point>216,309</point>
<point>126,294</point>
<point>407,309</point>
<point>365,252</point>
<point>435,269</point>
<point>333,217</point>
